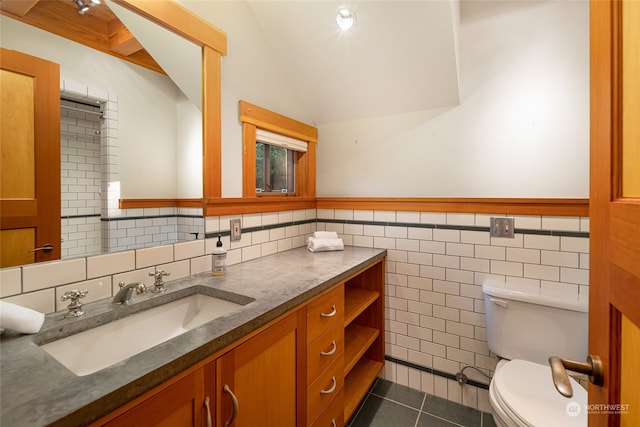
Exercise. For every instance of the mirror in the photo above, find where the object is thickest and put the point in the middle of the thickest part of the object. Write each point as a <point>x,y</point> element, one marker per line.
<point>150,136</point>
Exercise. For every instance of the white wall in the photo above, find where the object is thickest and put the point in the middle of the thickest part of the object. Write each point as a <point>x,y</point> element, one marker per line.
<point>521,130</point>
<point>146,100</point>
<point>189,150</point>
<point>249,73</point>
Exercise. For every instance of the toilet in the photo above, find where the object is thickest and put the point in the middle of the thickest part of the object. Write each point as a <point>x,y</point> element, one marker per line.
<point>524,328</point>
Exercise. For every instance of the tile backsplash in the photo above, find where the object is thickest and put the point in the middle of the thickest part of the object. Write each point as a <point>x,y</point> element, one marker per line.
<point>40,286</point>
<point>436,265</point>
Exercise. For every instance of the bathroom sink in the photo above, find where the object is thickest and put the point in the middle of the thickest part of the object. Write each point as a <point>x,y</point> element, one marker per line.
<point>94,349</point>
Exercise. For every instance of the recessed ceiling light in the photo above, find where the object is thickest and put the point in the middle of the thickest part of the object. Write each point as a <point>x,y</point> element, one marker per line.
<point>346,18</point>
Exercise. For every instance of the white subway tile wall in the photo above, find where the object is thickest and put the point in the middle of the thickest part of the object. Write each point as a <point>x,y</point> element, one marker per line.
<point>80,176</point>
<point>436,265</point>
<point>40,286</point>
<point>435,270</point>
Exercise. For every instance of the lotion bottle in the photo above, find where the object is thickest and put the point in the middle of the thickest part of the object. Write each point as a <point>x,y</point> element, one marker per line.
<point>219,259</point>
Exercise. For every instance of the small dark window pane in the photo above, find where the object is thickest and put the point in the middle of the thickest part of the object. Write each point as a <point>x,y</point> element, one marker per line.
<point>275,169</point>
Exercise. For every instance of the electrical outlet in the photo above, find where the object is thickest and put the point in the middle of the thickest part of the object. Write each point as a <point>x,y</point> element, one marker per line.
<point>235,226</point>
<point>502,227</point>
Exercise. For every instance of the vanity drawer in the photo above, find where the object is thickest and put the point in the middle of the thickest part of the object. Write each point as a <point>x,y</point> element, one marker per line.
<point>325,311</point>
<point>325,388</point>
<point>322,351</point>
<point>333,415</point>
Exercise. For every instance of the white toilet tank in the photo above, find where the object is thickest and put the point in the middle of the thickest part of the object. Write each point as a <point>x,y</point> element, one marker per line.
<point>535,324</point>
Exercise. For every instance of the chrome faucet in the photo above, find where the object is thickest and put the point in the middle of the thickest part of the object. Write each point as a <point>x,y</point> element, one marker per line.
<point>123,297</point>
<point>75,307</point>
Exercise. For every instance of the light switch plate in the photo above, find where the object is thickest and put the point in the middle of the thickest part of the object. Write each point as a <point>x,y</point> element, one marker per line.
<point>236,229</point>
<point>502,227</point>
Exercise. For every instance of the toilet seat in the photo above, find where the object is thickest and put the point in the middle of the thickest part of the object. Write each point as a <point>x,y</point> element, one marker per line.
<point>524,393</point>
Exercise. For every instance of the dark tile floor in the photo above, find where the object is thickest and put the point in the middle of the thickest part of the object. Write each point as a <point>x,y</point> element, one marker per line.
<point>392,405</point>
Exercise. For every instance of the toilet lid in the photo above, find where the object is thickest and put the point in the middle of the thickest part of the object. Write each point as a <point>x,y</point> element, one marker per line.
<point>527,390</point>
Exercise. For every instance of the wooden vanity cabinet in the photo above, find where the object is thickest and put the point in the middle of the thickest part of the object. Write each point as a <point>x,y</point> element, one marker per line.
<point>357,328</point>
<point>177,403</point>
<point>325,355</point>
<point>311,367</point>
<point>265,377</point>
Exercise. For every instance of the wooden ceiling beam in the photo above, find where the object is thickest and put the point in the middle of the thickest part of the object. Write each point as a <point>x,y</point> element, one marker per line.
<point>17,7</point>
<point>91,29</point>
<point>121,41</point>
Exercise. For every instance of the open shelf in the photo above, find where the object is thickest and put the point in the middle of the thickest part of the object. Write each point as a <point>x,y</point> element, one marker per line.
<point>357,339</point>
<point>357,300</point>
<point>357,383</point>
<point>361,337</point>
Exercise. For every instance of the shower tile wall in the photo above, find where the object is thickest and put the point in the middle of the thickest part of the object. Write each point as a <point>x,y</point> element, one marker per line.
<point>139,228</point>
<point>80,174</point>
<point>190,224</point>
<point>92,222</point>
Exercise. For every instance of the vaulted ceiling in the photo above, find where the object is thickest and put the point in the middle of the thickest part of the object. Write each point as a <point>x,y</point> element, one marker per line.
<point>400,57</point>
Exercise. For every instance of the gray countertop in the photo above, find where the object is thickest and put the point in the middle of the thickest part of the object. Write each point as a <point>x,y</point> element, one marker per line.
<point>36,390</point>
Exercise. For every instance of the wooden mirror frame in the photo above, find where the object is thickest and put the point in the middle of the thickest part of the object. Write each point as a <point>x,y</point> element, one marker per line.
<point>172,16</point>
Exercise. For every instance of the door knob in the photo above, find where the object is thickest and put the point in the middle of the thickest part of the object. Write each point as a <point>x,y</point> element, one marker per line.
<point>592,367</point>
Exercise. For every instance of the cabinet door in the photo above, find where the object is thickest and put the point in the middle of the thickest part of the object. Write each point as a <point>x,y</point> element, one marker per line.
<point>176,405</point>
<point>265,375</point>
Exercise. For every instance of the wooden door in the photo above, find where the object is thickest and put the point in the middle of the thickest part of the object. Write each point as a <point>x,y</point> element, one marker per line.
<point>30,159</point>
<point>266,377</point>
<point>614,310</point>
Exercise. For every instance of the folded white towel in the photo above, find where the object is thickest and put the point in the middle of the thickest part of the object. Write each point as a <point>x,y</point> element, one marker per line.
<point>20,319</point>
<point>325,235</point>
<point>323,245</point>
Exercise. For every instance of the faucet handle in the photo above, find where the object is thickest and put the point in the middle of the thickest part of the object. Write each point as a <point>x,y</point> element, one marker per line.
<point>75,306</point>
<point>158,284</point>
<point>74,295</point>
<point>159,274</point>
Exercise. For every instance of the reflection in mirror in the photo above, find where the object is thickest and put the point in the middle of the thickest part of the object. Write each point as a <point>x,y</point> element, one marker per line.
<point>150,130</point>
<point>178,57</point>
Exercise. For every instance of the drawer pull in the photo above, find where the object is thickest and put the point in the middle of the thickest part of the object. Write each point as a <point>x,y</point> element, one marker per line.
<point>333,423</point>
<point>206,405</point>
<point>234,400</point>
<point>333,387</point>
<point>331,352</point>
<point>334,310</point>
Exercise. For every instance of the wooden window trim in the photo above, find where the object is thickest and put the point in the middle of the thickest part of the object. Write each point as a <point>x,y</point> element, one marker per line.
<point>253,117</point>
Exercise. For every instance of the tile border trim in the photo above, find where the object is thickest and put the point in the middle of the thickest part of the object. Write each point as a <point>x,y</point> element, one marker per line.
<point>435,372</point>
<point>261,228</point>
<point>455,227</point>
<point>582,234</point>
<point>126,218</point>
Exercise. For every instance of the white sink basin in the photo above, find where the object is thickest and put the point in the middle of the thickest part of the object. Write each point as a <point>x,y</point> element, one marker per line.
<point>95,349</point>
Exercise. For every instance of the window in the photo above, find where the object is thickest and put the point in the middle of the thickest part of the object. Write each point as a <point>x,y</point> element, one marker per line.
<point>276,162</point>
<point>279,156</point>
<point>275,169</point>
